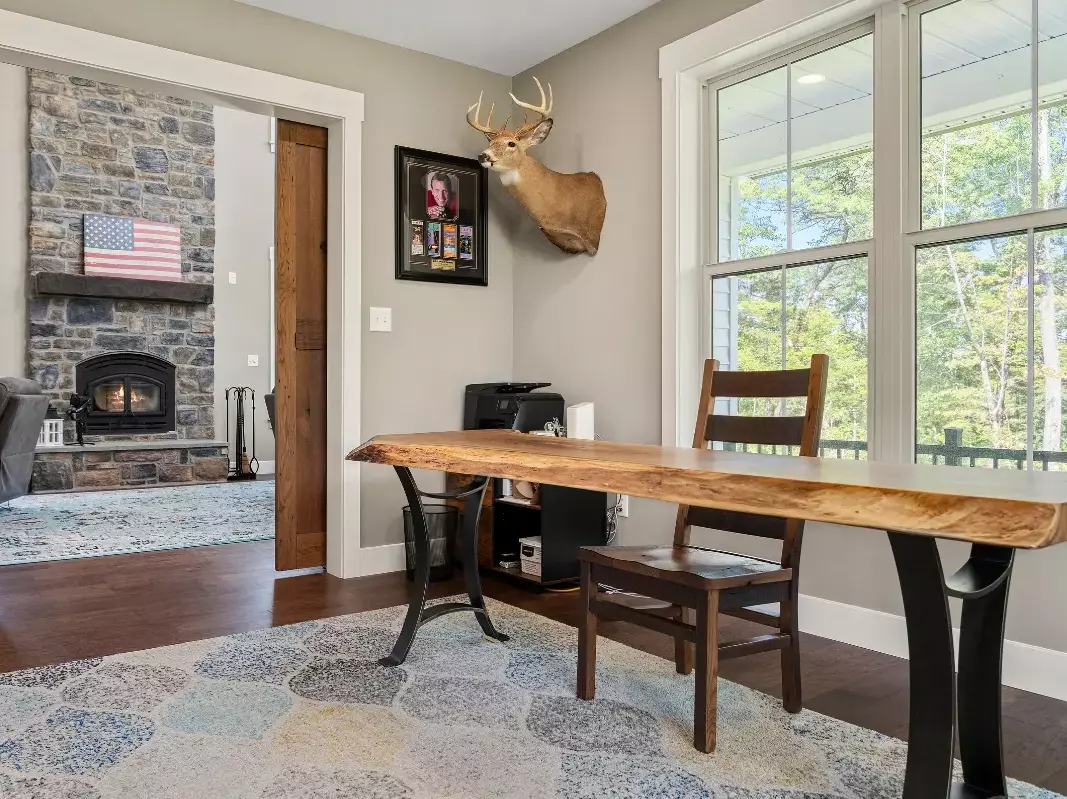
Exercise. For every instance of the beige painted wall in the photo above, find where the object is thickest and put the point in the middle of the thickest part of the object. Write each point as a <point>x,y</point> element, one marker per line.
<point>244,220</point>
<point>413,378</point>
<point>14,217</point>
<point>593,325</point>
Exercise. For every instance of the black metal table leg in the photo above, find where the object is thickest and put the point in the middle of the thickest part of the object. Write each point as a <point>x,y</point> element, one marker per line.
<point>469,557</point>
<point>422,572</point>
<point>982,583</point>
<point>418,614</point>
<point>933,684</point>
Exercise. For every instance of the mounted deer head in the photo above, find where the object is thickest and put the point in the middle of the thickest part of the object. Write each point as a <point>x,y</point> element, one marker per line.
<point>569,209</point>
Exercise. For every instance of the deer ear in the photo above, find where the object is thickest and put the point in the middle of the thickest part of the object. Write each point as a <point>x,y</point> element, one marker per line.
<point>538,134</point>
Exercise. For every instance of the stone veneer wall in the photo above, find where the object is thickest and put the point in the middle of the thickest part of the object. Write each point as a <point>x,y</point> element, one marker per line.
<point>106,149</point>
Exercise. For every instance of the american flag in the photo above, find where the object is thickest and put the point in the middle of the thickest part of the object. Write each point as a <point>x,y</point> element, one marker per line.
<point>119,246</point>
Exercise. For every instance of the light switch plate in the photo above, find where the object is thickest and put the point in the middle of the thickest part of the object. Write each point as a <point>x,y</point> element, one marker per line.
<point>381,320</point>
<point>624,506</point>
<point>253,360</point>
<point>233,278</point>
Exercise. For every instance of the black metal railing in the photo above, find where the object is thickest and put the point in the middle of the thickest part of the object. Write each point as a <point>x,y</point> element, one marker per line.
<point>950,453</point>
<point>953,453</point>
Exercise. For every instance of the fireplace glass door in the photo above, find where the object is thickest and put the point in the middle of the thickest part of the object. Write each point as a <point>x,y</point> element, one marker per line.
<point>110,396</point>
<point>145,397</point>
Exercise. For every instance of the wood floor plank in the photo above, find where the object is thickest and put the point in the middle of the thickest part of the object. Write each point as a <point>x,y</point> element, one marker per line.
<point>67,610</point>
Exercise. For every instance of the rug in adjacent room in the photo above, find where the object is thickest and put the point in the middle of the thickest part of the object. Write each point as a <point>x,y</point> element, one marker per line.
<point>44,527</point>
<point>304,712</point>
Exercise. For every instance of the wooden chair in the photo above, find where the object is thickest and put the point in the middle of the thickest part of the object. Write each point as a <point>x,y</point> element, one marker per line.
<point>673,582</point>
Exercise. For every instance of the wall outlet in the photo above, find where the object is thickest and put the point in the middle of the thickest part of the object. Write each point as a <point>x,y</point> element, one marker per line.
<point>624,506</point>
<point>253,360</point>
<point>233,278</point>
<point>381,320</point>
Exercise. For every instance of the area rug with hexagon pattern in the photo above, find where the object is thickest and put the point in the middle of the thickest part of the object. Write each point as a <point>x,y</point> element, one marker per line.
<point>88,524</point>
<point>305,711</point>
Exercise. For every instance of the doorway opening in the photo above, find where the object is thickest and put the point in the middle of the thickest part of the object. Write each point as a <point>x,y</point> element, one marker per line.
<point>145,279</point>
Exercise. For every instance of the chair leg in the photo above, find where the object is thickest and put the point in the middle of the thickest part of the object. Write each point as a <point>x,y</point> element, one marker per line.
<point>587,637</point>
<point>707,672</point>
<point>792,697</point>
<point>683,650</point>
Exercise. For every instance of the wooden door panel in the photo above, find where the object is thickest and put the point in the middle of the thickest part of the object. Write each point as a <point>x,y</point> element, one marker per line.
<point>300,510</point>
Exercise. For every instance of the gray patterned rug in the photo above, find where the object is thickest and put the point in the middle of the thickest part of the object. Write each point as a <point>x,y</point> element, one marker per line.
<point>43,527</point>
<point>304,712</point>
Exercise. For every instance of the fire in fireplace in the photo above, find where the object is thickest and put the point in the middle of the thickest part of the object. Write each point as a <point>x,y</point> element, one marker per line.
<point>129,392</point>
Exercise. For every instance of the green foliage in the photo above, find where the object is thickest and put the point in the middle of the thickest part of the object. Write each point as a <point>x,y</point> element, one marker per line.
<point>972,316</point>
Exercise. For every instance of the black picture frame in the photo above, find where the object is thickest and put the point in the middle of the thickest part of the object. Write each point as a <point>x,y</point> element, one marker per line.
<point>447,218</point>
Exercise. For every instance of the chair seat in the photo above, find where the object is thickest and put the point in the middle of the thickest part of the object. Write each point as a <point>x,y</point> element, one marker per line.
<point>692,566</point>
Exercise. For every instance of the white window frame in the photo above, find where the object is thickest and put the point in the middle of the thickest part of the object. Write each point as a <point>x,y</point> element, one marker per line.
<point>712,265</point>
<point>752,35</point>
<point>746,38</point>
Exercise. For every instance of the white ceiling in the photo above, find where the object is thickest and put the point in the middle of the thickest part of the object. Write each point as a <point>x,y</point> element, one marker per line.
<point>504,37</point>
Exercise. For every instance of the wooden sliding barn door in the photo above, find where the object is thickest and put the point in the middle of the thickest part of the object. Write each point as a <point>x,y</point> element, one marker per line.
<point>300,254</point>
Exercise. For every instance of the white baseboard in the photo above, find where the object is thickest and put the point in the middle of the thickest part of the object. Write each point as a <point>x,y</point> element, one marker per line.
<point>265,467</point>
<point>1027,667</point>
<point>379,560</point>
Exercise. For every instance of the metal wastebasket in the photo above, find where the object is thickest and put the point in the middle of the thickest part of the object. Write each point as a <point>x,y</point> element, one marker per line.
<point>442,522</point>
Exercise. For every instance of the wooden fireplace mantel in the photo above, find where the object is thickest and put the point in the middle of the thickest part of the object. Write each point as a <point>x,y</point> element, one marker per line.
<point>122,288</point>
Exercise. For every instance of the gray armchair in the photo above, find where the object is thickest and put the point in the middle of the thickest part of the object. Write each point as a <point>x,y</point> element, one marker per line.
<point>22,413</point>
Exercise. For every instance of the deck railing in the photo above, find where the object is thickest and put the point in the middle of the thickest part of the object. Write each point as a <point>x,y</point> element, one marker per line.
<point>950,453</point>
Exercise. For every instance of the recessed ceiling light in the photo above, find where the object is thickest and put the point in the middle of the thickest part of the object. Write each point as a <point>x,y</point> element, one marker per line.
<point>813,78</point>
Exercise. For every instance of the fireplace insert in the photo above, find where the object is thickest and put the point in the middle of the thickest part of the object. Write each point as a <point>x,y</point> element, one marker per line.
<point>129,392</point>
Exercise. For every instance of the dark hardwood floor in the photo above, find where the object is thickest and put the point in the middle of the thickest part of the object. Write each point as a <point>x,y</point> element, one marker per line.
<point>55,612</point>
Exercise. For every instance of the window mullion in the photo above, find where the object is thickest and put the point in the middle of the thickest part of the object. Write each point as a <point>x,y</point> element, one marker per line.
<point>891,375</point>
<point>812,255</point>
<point>789,156</point>
<point>990,228</point>
<point>784,319</point>
<point>1035,155</point>
<point>1031,383</point>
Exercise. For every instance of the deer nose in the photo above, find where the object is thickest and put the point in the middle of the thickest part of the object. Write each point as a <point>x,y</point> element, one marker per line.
<point>485,159</point>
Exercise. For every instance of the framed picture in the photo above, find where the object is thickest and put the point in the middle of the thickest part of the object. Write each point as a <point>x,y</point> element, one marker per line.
<point>442,214</point>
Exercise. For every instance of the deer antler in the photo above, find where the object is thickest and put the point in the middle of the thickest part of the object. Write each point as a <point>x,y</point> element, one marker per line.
<point>487,128</point>
<point>544,109</point>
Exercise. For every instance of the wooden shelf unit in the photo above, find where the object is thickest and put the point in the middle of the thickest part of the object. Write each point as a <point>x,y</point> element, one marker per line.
<point>565,518</point>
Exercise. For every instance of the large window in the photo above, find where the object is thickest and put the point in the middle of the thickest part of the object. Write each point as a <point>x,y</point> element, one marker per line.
<point>794,146</point>
<point>989,309</point>
<point>970,249</point>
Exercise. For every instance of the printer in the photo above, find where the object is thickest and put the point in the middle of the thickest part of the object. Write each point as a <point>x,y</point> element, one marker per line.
<point>510,406</point>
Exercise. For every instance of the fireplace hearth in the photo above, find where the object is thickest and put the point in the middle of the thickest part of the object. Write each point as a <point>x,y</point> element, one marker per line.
<point>129,392</point>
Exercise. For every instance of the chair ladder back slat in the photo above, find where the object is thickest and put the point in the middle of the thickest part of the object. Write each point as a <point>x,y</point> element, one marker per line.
<point>777,384</point>
<point>736,522</point>
<point>774,430</point>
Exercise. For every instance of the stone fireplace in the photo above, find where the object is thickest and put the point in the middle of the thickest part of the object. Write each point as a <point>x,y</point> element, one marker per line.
<point>142,351</point>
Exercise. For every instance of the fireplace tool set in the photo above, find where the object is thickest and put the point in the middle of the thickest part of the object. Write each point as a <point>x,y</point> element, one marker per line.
<point>244,468</point>
<point>78,410</point>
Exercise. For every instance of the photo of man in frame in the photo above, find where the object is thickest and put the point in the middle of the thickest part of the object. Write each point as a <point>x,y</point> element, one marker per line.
<point>442,195</point>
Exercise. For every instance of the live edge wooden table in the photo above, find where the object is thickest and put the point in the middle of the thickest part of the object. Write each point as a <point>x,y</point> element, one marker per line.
<point>996,512</point>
